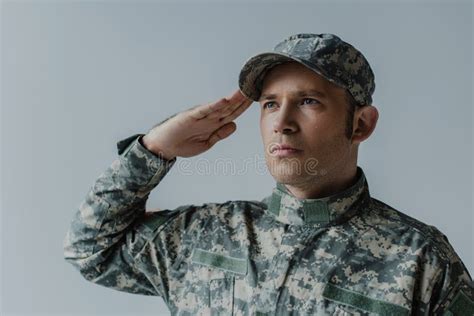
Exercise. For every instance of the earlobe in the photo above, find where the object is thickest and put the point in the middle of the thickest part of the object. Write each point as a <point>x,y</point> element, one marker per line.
<point>365,120</point>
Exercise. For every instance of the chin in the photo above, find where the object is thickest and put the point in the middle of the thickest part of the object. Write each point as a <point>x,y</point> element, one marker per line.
<point>285,171</point>
<point>286,179</point>
<point>293,171</point>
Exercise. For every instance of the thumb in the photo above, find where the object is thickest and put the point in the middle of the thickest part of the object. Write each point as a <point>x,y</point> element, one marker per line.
<point>223,132</point>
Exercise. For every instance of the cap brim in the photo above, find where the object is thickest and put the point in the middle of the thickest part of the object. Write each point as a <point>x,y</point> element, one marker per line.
<point>254,70</point>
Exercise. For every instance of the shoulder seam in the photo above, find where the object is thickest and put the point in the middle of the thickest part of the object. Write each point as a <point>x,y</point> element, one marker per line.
<point>429,235</point>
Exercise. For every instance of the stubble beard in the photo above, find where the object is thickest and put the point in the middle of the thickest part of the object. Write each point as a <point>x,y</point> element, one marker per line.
<point>294,170</point>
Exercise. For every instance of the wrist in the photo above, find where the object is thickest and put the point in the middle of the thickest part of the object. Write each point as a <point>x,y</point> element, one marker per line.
<point>155,150</point>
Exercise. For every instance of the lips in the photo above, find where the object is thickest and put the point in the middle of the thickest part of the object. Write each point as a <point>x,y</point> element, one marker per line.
<point>282,147</point>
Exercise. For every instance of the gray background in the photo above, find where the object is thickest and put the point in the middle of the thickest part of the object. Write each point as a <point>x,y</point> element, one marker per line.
<point>79,76</point>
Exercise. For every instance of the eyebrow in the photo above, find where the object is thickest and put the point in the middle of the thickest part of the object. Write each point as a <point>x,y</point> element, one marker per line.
<point>296,93</point>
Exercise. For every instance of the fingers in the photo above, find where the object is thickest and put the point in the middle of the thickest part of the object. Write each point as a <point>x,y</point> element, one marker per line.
<point>220,108</point>
<point>223,132</point>
<point>237,112</point>
<point>239,98</point>
<point>236,96</point>
<point>233,102</point>
<point>224,111</point>
<point>201,111</point>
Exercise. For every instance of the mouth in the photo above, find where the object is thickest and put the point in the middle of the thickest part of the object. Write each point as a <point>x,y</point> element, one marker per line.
<point>283,150</point>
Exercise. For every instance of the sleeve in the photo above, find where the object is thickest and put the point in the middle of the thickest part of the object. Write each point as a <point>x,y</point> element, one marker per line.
<point>453,291</point>
<point>109,229</point>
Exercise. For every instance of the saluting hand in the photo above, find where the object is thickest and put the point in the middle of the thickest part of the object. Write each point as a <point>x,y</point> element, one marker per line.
<point>192,132</point>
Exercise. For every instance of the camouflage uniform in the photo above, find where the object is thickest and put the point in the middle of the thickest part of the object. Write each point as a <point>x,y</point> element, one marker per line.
<point>347,254</point>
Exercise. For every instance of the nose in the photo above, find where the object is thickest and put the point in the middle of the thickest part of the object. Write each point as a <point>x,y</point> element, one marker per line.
<point>283,121</point>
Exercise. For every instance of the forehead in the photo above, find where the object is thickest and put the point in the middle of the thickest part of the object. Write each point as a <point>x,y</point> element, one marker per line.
<point>295,78</point>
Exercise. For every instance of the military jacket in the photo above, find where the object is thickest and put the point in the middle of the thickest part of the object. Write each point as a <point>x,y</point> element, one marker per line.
<point>346,254</point>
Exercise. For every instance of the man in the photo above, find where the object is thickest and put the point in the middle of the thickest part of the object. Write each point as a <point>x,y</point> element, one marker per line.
<point>318,244</point>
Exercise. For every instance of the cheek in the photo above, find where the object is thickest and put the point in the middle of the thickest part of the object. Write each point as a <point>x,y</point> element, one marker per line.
<point>326,125</point>
<point>321,135</point>
<point>265,128</point>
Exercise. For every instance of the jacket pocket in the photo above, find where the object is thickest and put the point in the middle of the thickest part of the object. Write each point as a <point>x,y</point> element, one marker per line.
<point>221,295</point>
<point>342,310</point>
<point>221,273</point>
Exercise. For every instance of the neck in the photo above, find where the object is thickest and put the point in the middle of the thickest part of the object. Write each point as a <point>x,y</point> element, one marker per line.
<point>324,186</point>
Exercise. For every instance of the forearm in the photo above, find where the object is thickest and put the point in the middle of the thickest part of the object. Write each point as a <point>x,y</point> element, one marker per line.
<point>115,201</point>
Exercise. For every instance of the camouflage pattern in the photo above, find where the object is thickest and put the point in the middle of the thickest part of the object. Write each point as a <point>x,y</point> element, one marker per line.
<point>347,254</point>
<point>326,54</point>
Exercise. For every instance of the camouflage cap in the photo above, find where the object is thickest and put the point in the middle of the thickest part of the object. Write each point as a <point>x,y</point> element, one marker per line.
<point>326,54</point>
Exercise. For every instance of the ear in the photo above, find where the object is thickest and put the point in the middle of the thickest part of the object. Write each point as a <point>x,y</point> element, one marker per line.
<point>365,120</point>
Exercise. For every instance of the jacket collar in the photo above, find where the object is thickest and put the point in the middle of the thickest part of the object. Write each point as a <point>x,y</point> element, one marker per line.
<point>324,211</point>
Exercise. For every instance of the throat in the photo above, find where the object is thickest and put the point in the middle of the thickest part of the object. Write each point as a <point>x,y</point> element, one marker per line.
<point>322,187</point>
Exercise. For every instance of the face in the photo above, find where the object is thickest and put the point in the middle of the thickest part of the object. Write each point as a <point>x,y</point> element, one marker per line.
<point>301,109</point>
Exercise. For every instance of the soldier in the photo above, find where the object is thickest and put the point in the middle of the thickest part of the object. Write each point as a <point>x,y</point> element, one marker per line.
<point>318,244</point>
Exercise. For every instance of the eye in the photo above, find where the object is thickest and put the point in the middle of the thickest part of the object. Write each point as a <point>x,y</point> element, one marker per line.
<point>265,105</point>
<point>317,102</point>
